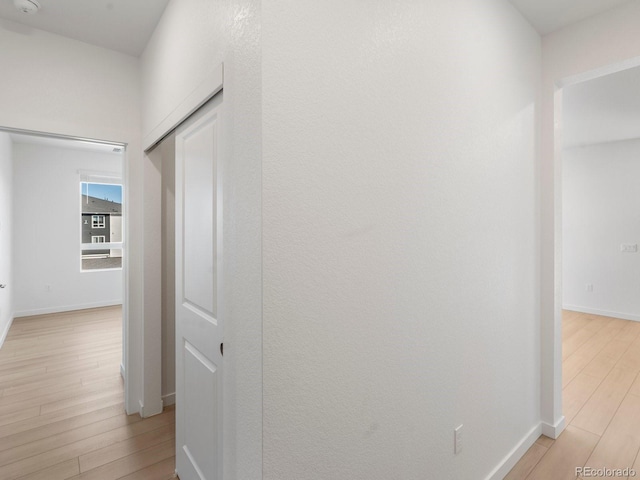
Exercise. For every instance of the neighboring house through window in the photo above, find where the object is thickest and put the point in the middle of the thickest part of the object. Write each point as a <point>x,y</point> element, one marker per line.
<point>101,222</point>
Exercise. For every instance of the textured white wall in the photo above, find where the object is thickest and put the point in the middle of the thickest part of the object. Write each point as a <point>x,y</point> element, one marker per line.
<point>601,44</point>
<point>46,251</point>
<point>55,84</point>
<point>192,37</point>
<point>399,234</point>
<point>6,226</point>
<point>601,211</point>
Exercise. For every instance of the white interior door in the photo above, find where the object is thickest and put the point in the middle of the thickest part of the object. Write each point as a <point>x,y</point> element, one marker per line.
<point>199,328</point>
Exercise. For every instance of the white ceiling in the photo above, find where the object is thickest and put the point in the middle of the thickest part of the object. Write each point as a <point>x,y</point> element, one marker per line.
<point>126,25</point>
<point>549,15</point>
<point>121,25</point>
<point>606,109</point>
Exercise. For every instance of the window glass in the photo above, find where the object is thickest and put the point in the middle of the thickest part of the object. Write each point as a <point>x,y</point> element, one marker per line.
<point>101,222</point>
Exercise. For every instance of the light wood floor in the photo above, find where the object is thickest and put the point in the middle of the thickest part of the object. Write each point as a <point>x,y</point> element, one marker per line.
<point>601,402</point>
<point>61,404</point>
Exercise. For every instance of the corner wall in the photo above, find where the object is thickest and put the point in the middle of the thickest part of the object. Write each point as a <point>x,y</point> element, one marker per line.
<point>400,238</point>
<point>6,233</point>
<point>48,276</point>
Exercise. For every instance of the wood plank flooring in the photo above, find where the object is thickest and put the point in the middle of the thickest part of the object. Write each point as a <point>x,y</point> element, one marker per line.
<point>62,414</point>
<point>601,402</point>
<point>61,404</point>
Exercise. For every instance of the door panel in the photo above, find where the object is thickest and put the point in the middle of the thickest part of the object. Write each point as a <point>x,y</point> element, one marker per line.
<point>198,219</point>
<point>199,329</point>
<point>200,423</point>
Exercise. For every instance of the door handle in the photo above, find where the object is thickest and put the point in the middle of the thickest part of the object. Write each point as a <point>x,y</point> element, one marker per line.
<point>3,285</point>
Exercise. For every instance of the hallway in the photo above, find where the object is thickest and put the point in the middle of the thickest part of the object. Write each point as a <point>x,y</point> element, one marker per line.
<point>61,404</point>
<point>601,402</point>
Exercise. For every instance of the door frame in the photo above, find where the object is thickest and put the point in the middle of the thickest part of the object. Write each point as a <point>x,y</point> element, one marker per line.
<point>151,357</point>
<point>128,352</point>
<point>553,420</point>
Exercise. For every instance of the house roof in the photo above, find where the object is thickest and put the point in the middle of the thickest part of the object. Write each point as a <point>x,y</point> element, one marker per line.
<point>98,205</point>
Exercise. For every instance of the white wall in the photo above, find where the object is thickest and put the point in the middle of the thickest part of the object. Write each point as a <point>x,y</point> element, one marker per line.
<point>193,37</point>
<point>47,228</point>
<point>6,226</point>
<point>161,171</point>
<point>606,109</point>
<point>168,153</point>
<point>600,44</point>
<point>601,211</point>
<point>54,84</point>
<point>399,233</point>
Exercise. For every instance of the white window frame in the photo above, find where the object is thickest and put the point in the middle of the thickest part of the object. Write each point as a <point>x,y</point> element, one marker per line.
<point>98,238</point>
<point>96,223</point>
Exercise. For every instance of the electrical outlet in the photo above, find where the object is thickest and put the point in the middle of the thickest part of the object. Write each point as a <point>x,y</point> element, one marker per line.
<point>457,440</point>
<point>629,247</point>
<point>589,287</point>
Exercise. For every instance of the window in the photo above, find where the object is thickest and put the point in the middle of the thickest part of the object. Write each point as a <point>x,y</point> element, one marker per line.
<point>101,225</point>
<point>97,221</point>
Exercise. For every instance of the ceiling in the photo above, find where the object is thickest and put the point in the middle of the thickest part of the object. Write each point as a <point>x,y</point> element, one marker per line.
<point>126,25</point>
<point>550,15</point>
<point>605,109</point>
<point>121,25</point>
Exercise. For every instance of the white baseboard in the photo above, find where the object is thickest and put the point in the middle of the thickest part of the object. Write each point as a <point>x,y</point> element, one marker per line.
<point>66,308</point>
<point>553,431</point>
<point>169,399</point>
<point>6,331</point>
<point>516,454</point>
<point>146,412</point>
<point>604,313</point>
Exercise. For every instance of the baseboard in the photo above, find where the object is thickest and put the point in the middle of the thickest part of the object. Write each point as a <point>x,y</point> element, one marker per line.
<point>604,313</point>
<point>516,454</point>
<point>169,399</point>
<point>6,331</point>
<point>66,308</point>
<point>553,431</point>
<point>147,412</point>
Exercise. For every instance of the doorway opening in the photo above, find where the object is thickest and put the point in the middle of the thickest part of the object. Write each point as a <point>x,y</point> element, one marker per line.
<point>583,133</point>
<point>58,263</point>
